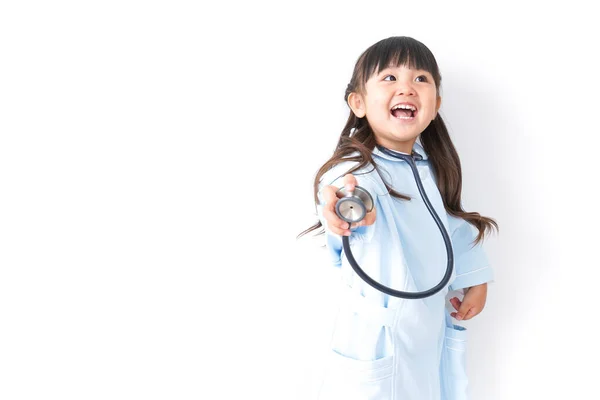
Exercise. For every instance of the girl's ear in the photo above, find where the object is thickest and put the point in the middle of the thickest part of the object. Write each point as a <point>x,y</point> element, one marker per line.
<point>439,103</point>
<point>356,103</point>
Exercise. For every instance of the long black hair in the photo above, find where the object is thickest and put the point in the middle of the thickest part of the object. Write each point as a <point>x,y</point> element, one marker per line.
<point>357,135</point>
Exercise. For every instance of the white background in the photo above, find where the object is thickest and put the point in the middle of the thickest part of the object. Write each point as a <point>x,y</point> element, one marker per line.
<point>157,161</point>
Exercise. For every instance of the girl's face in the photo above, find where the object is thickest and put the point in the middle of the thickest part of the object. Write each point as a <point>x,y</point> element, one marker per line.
<point>398,129</point>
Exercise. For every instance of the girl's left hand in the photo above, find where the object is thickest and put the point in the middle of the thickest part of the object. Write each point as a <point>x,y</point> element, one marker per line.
<point>472,304</point>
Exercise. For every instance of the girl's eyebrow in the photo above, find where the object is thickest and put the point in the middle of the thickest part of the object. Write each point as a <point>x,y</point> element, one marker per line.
<point>394,68</point>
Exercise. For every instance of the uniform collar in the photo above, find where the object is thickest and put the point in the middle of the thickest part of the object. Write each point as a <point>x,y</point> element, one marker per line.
<point>416,148</point>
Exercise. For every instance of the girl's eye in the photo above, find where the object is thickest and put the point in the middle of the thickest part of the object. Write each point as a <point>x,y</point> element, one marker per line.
<point>418,77</point>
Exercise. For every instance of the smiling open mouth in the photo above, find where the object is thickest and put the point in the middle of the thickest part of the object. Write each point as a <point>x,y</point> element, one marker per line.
<point>404,111</point>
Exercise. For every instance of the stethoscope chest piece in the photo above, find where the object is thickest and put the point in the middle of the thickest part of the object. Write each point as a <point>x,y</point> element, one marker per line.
<point>353,206</point>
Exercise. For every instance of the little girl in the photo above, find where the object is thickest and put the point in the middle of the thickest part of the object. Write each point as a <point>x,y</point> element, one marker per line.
<point>386,347</point>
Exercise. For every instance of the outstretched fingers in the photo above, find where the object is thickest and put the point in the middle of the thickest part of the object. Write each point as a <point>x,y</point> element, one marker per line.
<point>334,223</point>
<point>350,182</point>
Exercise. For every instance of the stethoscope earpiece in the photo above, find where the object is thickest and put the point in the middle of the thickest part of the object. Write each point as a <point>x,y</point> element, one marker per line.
<point>352,206</point>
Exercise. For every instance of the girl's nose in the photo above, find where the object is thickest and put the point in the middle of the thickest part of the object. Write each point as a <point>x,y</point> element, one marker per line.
<point>405,89</point>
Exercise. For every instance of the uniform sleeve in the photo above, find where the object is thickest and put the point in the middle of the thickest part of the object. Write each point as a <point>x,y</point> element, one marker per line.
<point>471,262</point>
<point>334,241</point>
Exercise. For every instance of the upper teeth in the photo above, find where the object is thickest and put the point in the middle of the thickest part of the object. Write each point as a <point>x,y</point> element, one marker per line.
<point>405,106</point>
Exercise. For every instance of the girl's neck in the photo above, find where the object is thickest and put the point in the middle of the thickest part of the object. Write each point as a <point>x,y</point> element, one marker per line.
<point>402,147</point>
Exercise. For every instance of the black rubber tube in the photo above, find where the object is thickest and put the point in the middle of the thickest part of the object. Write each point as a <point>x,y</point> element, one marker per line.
<point>448,243</point>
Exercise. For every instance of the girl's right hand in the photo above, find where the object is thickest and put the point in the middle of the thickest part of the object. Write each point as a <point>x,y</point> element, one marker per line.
<point>335,223</point>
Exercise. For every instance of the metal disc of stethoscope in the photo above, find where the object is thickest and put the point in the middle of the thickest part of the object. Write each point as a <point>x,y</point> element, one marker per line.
<point>353,206</point>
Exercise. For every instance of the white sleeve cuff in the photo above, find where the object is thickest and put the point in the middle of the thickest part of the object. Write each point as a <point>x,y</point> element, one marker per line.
<point>473,278</point>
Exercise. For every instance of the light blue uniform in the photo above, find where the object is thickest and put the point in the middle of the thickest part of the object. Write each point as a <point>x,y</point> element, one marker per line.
<point>385,347</point>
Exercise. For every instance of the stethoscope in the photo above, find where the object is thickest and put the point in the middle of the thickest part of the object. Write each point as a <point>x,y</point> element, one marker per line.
<point>352,206</point>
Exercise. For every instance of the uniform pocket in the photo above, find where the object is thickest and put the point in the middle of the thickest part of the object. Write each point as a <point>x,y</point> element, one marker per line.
<point>453,368</point>
<point>350,379</point>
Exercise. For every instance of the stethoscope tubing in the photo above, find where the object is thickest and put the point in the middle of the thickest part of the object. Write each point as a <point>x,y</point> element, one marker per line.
<point>450,255</point>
